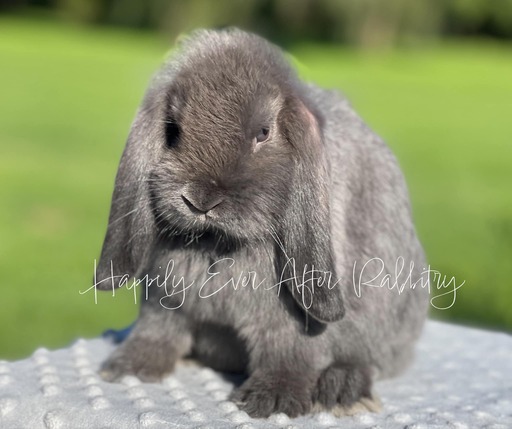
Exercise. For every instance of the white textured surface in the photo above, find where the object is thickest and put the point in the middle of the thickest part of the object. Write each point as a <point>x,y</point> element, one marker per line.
<point>462,378</point>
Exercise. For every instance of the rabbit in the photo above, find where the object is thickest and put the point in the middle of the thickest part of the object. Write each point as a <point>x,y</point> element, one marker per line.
<point>254,211</point>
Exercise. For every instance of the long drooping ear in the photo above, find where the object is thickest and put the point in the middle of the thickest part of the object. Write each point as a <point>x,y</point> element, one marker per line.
<point>131,227</point>
<point>304,241</point>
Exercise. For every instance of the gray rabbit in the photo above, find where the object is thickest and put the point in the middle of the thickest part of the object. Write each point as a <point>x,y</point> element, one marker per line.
<point>269,229</point>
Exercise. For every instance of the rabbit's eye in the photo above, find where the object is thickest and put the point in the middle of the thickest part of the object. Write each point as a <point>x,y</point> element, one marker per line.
<point>172,133</point>
<point>262,135</point>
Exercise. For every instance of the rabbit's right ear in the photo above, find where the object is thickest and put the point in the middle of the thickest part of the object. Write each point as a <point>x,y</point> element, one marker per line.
<point>131,228</point>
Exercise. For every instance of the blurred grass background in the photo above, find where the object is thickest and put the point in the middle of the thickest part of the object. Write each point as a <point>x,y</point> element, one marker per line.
<point>69,87</point>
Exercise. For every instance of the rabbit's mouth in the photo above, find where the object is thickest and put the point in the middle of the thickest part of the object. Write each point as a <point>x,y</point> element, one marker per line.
<point>204,236</point>
<point>202,210</point>
<point>215,230</point>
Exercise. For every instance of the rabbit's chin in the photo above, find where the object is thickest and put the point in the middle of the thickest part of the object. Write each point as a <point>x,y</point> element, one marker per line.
<point>209,234</point>
<point>211,240</point>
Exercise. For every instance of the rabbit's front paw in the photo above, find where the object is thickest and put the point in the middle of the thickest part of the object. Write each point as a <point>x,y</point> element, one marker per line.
<point>261,396</point>
<point>342,385</point>
<point>148,362</point>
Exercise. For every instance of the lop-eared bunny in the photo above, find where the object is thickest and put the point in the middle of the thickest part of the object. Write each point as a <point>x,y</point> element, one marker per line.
<point>268,226</point>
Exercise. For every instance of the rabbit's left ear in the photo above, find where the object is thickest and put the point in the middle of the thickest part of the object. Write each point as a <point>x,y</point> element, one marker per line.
<point>304,249</point>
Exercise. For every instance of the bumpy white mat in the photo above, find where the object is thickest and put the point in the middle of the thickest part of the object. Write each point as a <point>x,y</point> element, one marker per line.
<point>462,378</point>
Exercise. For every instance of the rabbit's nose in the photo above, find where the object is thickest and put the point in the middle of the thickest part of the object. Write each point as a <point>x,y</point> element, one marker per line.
<point>201,204</point>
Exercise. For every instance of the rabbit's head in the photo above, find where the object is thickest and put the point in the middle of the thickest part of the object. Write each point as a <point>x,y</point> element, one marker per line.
<point>226,150</point>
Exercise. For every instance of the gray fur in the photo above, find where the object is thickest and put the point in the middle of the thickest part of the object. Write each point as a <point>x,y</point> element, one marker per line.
<point>324,188</point>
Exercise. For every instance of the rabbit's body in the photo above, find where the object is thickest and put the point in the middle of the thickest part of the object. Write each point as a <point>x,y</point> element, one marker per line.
<point>334,204</point>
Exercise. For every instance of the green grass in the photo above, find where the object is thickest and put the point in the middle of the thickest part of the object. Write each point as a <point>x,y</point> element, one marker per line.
<point>68,95</point>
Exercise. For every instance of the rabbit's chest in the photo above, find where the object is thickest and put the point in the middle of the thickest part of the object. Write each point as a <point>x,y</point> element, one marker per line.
<point>232,291</point>
<point>231,294</point>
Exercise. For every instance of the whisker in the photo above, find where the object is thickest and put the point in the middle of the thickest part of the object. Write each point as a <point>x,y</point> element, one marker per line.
<point>123,216</point>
